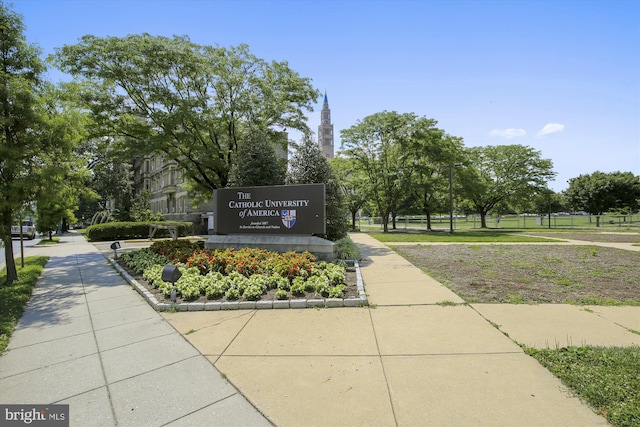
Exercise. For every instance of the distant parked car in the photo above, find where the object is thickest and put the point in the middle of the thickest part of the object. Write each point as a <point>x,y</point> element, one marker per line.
<point>28,230</point>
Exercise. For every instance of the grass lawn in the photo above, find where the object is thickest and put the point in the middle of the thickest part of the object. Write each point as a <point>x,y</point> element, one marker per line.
<point>53,241</point>
<point>14,298</point>
<point>606,378</point>
<point>491,236</point>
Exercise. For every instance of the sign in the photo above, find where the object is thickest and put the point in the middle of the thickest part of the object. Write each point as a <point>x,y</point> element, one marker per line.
<point>279,209</point>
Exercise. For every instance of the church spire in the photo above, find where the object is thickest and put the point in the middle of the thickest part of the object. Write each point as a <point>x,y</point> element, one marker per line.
<point>325,130</point>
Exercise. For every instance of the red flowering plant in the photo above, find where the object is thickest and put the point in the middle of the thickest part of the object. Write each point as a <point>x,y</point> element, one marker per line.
<point>293,264</point>
<point>176,250</point>
<point>207,260</point>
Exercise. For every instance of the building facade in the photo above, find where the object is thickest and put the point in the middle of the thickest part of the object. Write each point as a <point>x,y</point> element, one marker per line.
<point>325,130</point>
<point>163,180</point>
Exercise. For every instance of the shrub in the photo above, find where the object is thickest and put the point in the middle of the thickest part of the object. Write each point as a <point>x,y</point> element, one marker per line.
<point>297,289</point>
<point>178,251</point>
<point>132,230</point>
<point>276,281</point>
<point>337,291</point>
<point>142,259</point>
<point>281,294</point>
<point>253,292</point>
<point>347,249</point>
<point>232,294</point>
<point>214,291</point>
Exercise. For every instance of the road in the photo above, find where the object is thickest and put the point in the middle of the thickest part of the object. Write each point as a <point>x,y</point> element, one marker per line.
<point>16,248</point>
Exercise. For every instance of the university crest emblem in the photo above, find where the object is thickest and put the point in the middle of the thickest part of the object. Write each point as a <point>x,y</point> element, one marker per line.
<point>288,217</point>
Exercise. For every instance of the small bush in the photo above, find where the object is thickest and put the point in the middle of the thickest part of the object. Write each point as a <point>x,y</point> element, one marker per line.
<point>132,230</point>
<point>297,289</point>
<point>347,249</point>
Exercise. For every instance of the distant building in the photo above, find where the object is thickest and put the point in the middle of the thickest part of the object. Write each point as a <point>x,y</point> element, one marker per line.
<point>164,178</point>
<point>325,130</point>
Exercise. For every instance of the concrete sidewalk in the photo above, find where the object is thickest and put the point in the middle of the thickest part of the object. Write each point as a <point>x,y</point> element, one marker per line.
<point>404,361</point>
<point>89,340</point>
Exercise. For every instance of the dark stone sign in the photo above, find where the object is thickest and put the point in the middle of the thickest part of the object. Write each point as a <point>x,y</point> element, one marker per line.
<point>279,209</point>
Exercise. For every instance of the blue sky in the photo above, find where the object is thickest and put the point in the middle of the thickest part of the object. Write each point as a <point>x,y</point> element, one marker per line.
<point>560,76</point>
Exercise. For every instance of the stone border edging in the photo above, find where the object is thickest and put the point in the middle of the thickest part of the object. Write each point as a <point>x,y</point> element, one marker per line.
<point>250,305</point>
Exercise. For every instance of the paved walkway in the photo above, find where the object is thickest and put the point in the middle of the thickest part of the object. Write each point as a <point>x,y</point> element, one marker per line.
<point>89,340</point>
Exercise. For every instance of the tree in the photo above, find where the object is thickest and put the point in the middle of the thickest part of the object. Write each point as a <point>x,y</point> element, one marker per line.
<point>547,201</point>
<point>376,144</point>
<point>20,110</point>
<point>432,153</point>
<point>601,192</point>
<point>63,175</point>
<point>308,165</point>
<point>257,164</point>
<point>503,173</point>
<point>353,185</point>
<point>192,103</point>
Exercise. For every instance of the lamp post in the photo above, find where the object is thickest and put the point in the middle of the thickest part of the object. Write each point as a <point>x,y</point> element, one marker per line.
<point>451,166</point>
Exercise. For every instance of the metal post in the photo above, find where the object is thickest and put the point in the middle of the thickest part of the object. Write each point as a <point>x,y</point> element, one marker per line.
<point>451,198</point>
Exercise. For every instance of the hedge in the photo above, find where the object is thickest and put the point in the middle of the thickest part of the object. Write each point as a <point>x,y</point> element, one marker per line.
<point>134,230</point>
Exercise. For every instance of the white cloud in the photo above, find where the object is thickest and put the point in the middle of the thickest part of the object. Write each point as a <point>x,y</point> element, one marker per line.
<point>508,133</point>
<point>550,128</point>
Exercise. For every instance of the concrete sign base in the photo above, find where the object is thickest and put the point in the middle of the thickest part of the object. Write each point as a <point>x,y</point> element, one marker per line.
<point>323,249</point>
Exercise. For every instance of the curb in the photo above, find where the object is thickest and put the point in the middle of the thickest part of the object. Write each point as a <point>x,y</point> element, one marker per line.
<point>249,305</point>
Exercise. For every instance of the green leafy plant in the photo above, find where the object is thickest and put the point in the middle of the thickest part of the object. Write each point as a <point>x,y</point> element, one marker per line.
<point>281,294</point>
<point>337,291</point>
<point>297,289</point>
<point>234,274</point>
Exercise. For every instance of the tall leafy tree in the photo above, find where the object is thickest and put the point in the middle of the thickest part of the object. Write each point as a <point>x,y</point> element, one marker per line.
<point>353,184</point>
<point>601,192</point>
<point>20,80</point>
<point>257,164</point>
<point>503,173</point>
<point>37,129</point>
<point>308,165</point>
<point>192,103</point>
<point>63,175</point>
<point>377,144</point>
<point>432,153</point>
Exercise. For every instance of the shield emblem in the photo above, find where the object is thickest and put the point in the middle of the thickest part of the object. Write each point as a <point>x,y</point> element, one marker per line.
<point>288,217</point>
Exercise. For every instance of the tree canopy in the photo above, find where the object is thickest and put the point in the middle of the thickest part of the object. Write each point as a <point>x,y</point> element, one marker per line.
<point>376,144</point>
<point>39,128</point>
<point>601,192</point>
<point>503,173</point>
<point>309,165</point>
<point>192,103</point>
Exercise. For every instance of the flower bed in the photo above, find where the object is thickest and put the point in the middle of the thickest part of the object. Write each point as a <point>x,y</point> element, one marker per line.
<point>244,275</point>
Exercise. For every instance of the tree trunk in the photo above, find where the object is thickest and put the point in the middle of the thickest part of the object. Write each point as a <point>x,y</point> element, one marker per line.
<point>483,220</point>
<point>12,273</point>
<point>353,220</point>
<point>427,212</point>
<point>385,223</point>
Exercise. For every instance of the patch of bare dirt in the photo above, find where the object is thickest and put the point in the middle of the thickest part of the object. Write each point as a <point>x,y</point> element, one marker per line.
<point>532,273</point>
